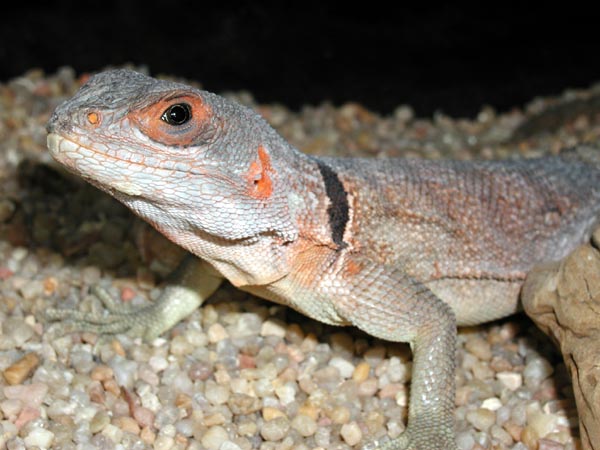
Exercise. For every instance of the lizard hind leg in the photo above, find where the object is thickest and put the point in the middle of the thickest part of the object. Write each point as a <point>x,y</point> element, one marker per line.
<point>388,304</point>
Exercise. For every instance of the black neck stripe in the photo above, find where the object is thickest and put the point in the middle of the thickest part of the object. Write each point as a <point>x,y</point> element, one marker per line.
<point>338,210</point>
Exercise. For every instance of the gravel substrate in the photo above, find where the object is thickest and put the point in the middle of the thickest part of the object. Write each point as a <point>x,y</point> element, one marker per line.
<point>242,373</point>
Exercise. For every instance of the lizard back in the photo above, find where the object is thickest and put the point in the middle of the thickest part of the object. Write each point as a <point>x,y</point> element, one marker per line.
<point>461,227</point>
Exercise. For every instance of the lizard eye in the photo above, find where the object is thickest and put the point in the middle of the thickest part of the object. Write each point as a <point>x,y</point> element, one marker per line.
<point>180,120</point>
<point>177,114</point>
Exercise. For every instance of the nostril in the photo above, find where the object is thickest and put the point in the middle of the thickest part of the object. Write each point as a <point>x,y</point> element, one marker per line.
<point>93,118</point>
<point>51,125</point>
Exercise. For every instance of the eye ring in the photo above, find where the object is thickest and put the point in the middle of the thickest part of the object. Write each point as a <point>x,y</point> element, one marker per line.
<point>177,114</point>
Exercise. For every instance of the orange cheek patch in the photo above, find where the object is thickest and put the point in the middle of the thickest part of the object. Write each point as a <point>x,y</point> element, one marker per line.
<point>259,175</point>
<point>353,268</point>
<point>149,121</point>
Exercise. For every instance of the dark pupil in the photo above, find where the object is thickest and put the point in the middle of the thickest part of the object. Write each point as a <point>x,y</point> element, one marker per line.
<point>177,114</point>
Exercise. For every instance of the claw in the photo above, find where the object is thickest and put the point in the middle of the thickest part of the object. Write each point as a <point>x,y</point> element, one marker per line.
<point>178,300</point>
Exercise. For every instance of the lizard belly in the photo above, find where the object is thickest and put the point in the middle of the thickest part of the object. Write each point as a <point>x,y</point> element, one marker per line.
<point>476,301</point>
<point>306,301</point>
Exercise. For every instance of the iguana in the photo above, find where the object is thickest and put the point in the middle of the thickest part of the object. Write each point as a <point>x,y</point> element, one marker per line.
<point>404,249</point>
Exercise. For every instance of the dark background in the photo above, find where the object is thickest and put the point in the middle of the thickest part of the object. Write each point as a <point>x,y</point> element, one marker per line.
<point>448,58</point>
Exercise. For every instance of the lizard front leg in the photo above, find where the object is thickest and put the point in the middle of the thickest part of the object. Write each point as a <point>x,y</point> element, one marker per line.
<point>189,285</point>
<point>387,303</point>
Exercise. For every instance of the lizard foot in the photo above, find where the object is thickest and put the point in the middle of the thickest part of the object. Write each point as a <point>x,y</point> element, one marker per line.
<point>190,286</point>
<point>121,318</point>
<point>430,438</point>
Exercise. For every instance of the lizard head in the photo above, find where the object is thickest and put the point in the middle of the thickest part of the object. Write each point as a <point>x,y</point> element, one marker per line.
<point>186,160</point>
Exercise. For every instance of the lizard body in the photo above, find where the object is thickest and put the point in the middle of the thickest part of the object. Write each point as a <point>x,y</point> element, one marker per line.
<point>403,249</point>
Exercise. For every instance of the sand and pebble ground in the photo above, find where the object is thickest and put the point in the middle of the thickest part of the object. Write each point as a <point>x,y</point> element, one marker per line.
<point>242,373</point>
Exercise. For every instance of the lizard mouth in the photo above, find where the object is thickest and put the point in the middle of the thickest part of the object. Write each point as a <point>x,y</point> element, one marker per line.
<point>66,150</point>
<point>90,164</point>
<point>80,160</point>
<point>61,147</point>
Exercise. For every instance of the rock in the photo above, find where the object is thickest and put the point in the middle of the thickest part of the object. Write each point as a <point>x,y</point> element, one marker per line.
<point>39,437</point>
<point>304,425</point>
<point>275,430</point>
<point>273,328</point>
<point>481,418</point>
<point>564,301</point>
<point>345,368</point>
<point>21,369</point>
<point>351,433</point>
<point>31,395</point>
<point>214,437</point>
<point>361,372</point>
<point>511,380</point>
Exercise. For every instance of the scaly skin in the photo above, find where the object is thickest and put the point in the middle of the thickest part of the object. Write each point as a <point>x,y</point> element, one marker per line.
<point>403,249</point>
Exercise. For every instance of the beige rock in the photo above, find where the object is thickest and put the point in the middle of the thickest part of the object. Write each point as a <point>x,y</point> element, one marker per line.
<point>20,370</point>
<point>564,300</point>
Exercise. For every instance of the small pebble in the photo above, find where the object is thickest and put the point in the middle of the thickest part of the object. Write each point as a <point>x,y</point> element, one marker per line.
<point>304,425</point>
<point>216,418</point>
<point>20,370</point>
<point>275,430</point>
<point>465,441</point>
<point>398,372</point>
<point>310,411</point>
<point>361,372</point>
<point>27,415</point>
<point>273,328</point>
<point>127,424</point>
<point>214,437</point>
<point>228,445</point>
<point>323,437</point>
<point>101,373</point>
<point>493,404</point>
<point>180,346</point>
<point>340,415</point>
<point>351,433</point>
<point>368,387</point>
<point>500,434</point>
<point>19,331</point>
<point>124,371</point>
<point>481,418</point>
<point>479,347</point>
<point>541,423</point>
<point>29,394</point>
<point>286,393</point>
<point>163,443</point>
<point>530,438</point>
<point>216,394</point>
<point>537,370</point>
<point>511,380</point>
<point>115,434</point>
<point>482,371</point>
<point>513,429</point>
<point>99,421</point>
<point>39,437</point>
<point>143,416</point>
<point>32,290</point>
<point>270,413</point>
<point>148,436</point>
<point>11,407</point>
<point>345,368</point>
<point>217,333</point>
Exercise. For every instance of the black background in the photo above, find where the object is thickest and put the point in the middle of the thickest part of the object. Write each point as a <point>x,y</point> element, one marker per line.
<point>436,58</point>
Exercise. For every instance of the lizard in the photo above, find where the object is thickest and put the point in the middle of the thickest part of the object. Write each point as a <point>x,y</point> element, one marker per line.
<point>404,249</point>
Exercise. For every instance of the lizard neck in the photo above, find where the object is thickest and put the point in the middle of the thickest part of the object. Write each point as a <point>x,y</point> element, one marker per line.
<point>319,201</point>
